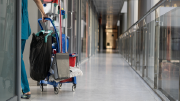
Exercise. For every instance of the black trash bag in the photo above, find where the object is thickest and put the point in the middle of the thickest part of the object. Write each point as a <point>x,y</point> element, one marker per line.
<point>40,56</point>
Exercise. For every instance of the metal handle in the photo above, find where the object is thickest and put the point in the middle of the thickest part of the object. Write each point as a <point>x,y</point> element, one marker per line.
<point>48,20</point>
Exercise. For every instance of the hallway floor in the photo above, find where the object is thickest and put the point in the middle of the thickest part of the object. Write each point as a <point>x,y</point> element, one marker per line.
<point>107,77</point>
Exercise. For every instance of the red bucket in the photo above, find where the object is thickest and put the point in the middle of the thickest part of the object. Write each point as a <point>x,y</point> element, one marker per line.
<point>72,60</point>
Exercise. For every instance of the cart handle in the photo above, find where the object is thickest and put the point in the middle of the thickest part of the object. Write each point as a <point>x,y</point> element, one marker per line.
<point>48,20</point>
<point>49,1</point>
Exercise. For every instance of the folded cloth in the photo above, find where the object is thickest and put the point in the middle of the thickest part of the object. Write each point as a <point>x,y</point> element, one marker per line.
<point>75,71</point>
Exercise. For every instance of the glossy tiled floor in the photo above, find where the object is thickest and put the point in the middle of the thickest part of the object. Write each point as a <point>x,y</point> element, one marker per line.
<point>107,77</point>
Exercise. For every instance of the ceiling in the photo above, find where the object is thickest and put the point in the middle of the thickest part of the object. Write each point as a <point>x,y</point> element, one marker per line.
<point>109,11</point>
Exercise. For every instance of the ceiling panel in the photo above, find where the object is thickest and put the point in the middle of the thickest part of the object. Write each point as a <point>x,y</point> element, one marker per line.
<point>109,11</point>
<point>106,6</point>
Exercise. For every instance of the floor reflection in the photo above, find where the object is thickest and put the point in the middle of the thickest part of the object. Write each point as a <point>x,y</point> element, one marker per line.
<point>107,77</point>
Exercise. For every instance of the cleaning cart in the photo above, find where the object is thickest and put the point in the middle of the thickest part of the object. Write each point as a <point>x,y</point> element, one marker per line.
<point>58,81</point>
<point>62,68</point>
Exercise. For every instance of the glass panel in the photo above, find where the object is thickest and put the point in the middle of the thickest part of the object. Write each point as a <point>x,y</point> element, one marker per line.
<point>74,24</point>
<point>139,55</point>
<point>150,51</point>
<point>137,48</point>
<point>91,28</point>
<point>133,49</point>
<point>96,33</point>
<point>129,56</point>
<point>132,56</point>
<point>144,49</point>
<point>141,50</point>
<point>169,58</point>
<point>127,48</point>
<point>93,31</point>
<point>84,32</point>
<point>8,49</point>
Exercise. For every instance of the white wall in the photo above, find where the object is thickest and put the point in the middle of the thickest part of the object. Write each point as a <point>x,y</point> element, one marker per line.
<point>124,15</point>
<point>124,23</point>
<point>132,12</point>
<point>33,17</point>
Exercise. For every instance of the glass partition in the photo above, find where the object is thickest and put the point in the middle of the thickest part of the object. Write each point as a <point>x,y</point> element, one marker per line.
<point>96,33</point>
<point>129,46</point>
<point>133,35</point>
<point>169,53</point>
<point>84,24</point>
<point>149,74</point>
<point>153,49</point>
<point>8,46</point>
<point>74,26</point>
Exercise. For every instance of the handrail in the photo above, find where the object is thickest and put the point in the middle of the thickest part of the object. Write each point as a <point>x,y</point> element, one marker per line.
<point>150,11</point>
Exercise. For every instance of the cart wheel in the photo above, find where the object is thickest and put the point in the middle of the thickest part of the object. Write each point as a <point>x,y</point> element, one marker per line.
<point>41,87</point>
<point>56,90</point>
<point>60,85</point>
<point>73,88</point>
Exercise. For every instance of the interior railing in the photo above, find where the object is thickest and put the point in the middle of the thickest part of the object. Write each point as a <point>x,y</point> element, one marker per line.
<point>151,46</point>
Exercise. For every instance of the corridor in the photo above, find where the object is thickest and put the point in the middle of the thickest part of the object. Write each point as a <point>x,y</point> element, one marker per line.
<point>107,77</point>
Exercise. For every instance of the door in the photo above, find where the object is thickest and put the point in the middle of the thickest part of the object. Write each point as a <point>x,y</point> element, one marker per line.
<point>8,50</point>
<point>111,40</point>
